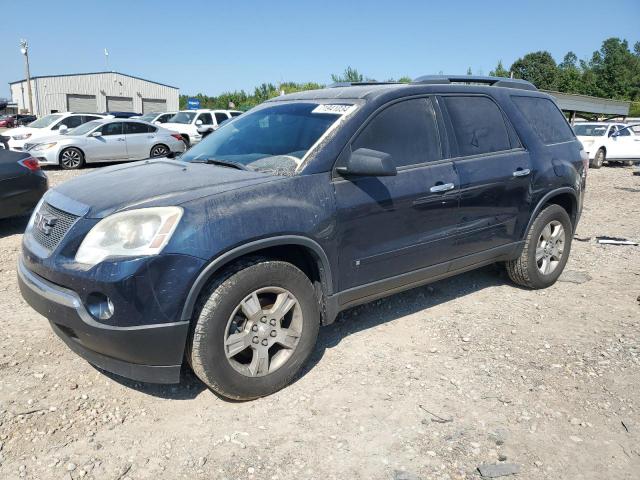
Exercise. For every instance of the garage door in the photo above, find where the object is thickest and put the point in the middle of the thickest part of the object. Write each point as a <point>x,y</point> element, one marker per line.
<point>150,105</point>
<point>82,103</point>
<point>119,104</point>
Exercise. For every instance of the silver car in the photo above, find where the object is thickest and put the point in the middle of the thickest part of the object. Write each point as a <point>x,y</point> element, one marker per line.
<point>106,140</point>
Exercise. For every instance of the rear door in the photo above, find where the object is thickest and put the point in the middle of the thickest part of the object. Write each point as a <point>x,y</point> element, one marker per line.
<point>494,171</point>
<point>221,117</point>
<point>393,225</point>
<point>110,146</point>
<point>139,140</point>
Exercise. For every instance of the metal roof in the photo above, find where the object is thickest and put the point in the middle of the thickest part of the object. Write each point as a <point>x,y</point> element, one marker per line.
<point>92,73</point>
<point>584,103</point>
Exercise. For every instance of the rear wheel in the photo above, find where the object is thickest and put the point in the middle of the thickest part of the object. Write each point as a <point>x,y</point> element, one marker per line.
<point>71,158</point>
<point>599,159</point>
<point>546,250</point>
<point>256,327</point>
<point>187,142</point>
<point>159,151</point>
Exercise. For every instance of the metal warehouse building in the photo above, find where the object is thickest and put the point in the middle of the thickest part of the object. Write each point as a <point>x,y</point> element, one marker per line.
<point>94,92</point>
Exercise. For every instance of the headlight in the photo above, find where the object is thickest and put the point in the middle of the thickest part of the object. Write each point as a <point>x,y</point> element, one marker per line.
<point>136,232</point>
<point>24,136</point>
<point>43,146</point>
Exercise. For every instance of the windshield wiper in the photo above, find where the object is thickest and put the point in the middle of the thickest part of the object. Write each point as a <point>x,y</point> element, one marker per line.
<point>223,163</point>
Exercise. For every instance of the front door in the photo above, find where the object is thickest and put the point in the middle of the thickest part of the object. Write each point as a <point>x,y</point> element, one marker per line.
<point>111,145</point>
<point>495,174</point>
<point>393,225</point>
<point>623,145</point>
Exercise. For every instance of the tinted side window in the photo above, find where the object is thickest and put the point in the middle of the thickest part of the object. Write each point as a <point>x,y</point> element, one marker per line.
<point>623,132</point>
<point>206,119</point>
<point>545,118</point>
<point>406,130</point>
<point>236,114</point>
<point>112,129</point>
<point>220,117</point>
<point>478,125</point>
<point>70,122</point>
<point>164,118</point>
<point>88,118</point>
<point>135,127</point>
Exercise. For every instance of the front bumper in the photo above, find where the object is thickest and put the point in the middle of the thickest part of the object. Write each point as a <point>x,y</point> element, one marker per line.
<point>147,353</point>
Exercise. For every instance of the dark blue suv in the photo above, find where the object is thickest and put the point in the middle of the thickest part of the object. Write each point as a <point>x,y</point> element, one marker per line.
<point>233,255</point>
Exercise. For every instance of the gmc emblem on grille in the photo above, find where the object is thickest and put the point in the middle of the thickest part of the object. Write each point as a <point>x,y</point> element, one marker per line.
<point>45,223</point>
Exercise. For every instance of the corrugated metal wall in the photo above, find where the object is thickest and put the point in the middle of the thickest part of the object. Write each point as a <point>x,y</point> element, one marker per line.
<point>50,93</point>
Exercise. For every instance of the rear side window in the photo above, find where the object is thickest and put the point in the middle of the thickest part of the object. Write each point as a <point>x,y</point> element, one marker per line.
<point>478,125</point>
<point>220,117</point>
<point>406,130</point>
<point>545,118</point>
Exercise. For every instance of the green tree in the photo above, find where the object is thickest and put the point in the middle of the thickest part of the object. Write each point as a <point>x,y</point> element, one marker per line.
<point>569,77</point>
<point>349,75</point>
<point>499,71</point>
<point>616,70</point>
<point>405,79</point>
<point>538,68</point>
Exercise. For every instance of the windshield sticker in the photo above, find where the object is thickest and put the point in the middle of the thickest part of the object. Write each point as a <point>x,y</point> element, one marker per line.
<point>334,109</point>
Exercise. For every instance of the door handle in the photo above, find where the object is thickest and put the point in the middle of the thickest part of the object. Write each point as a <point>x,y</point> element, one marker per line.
<point>121,139</point>
<point>443,187</point>
<point>521,172</point>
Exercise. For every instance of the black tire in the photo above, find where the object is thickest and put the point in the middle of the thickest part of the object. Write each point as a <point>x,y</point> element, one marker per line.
<point>71,158</point>
<point>159,150</point>
<point>598,159</point>
<point>187,142</point>
<point>524,270</point>
<point>206,350</point>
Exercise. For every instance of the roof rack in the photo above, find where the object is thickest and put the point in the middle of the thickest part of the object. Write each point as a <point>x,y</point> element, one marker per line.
<point>359,84</point>
<point>493,81</point>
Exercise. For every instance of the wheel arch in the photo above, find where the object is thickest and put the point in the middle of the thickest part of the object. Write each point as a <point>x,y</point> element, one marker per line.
<point>302,252</point>
<point>565,197</point>
<point>63,149</point>
<point>159,144</point>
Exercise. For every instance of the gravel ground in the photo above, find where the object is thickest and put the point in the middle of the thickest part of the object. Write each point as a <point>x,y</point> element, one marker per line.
<point>431,383</point>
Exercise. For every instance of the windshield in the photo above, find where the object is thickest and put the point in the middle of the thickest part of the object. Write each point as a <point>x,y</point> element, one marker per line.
<point>590,130</point>
<point>84,128</point>
<point>45,121</point>
<point>148,117</point>
<point>271,139</point>
<point>182,117</point>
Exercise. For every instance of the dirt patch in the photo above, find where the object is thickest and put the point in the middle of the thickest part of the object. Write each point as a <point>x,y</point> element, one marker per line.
<point>431,383</point>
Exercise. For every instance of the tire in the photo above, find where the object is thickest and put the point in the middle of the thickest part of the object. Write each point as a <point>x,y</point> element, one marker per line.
<point>159,150</point>
<point>187,142</point>
<point>71,158</point>
<point>599,159</point>
<point>528,269</point>
<point>232,369</point>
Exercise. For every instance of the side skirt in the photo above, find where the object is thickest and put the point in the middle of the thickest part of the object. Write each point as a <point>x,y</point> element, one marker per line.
<point>382,288</point>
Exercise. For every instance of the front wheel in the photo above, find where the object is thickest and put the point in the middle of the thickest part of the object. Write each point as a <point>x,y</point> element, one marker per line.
<point>71,158</point>
<point>256,327</point>
<point>546,250</point>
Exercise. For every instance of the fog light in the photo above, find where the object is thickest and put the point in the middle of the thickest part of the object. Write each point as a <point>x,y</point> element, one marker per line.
<point>100,306</point>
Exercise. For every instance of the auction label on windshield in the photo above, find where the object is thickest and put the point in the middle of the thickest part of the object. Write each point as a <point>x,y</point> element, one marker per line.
<point>336,109</point>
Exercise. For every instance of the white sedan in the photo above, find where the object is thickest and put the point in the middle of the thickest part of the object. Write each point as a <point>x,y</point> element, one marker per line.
<point>106,140</point>
<point>608,142</point>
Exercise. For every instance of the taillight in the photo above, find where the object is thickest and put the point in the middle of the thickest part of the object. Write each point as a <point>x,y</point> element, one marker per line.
<point>177,136</point>
<point>30,163</point>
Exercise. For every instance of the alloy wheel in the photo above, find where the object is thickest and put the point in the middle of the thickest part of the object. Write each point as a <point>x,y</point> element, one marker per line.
<point>159,151</point>
<point>71,158</point>
<point>550,247</point>
<point>263,331</point>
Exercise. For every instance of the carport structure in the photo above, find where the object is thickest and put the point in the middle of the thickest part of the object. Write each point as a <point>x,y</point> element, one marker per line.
<point>590,108</point>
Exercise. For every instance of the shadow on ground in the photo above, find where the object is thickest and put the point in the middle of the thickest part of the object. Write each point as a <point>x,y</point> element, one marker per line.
<point>13,226</point>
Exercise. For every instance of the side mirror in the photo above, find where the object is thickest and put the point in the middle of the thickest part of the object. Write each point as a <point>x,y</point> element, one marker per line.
<point>369,163</point>
<point>205,129</point>
<point>198,123</point>
<point>157,122</point>
<point>97,133</point>
<point>62,129</point>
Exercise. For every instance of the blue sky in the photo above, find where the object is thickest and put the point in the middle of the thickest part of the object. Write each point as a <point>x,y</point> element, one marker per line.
<point>214,46</point>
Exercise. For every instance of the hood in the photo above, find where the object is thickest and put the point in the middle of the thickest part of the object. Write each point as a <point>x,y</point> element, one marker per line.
<point>177,126</point>
<point>152,183</point>
<point>52,138</point>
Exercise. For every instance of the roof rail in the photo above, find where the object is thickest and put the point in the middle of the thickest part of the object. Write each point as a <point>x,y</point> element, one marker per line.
<point>493,81</point>
<point>357,84</point>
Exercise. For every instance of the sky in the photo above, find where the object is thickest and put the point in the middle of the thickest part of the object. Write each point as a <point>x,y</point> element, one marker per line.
<point>214,46</point>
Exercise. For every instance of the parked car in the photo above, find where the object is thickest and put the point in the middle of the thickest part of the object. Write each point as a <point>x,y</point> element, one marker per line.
<point>25,119</point>
<point>45,127</point>
<point>121,114</point>
<point>22,183</point>
<point>106,140</point>
<point>156,117</point>
<point>309,204</point>
<point>7,121</point>
<point>608,142</point>
<point>4,142</point>
<point>191,123</point>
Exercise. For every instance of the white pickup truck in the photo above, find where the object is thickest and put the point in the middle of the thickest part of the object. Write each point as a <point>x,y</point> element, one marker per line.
<point>609,142</point>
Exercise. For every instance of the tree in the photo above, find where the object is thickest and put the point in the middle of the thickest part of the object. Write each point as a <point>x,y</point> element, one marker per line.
<point>469,72</point>
<point>616,70</point>
<point>569,76</point>
<point>499,71</point>
<point>538,68</point>
<point>350,75</point>
<point>405,79</point>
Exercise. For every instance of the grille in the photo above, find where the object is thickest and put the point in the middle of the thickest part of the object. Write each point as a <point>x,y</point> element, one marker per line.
<point>64,222</point>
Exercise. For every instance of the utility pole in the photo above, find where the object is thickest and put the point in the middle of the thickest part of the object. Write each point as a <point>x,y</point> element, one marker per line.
<point>24,49</point>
